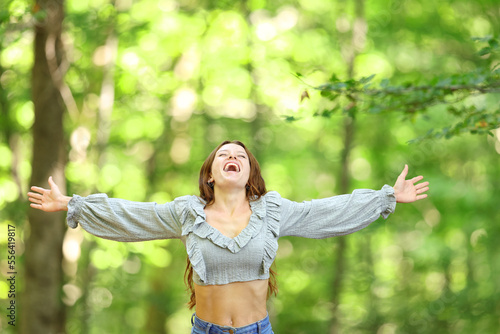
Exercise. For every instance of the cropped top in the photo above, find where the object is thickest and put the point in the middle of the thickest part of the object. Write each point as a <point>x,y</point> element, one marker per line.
<point>216,258</point>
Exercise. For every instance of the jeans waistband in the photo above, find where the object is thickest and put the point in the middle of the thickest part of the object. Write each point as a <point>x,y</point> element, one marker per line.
<point>209,328</point>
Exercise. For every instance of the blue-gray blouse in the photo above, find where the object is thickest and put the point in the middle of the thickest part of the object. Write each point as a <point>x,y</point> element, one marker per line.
<point>216,258</point>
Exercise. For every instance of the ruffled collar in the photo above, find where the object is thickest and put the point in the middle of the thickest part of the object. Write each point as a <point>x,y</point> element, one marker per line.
<point>204,230</point>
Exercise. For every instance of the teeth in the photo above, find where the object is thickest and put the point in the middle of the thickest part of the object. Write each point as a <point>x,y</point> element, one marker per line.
<point>226,168</point>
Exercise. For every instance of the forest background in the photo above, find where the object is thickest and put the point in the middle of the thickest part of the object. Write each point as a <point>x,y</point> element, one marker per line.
<point>128,97</point>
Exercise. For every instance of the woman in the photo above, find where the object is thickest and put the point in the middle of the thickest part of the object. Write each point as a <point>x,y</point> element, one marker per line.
<point>230,231</point>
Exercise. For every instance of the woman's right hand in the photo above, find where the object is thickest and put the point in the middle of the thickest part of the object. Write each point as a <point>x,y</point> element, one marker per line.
<point>48,200</point>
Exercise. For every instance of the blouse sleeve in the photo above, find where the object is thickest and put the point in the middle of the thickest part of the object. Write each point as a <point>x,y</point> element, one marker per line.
<point>123,220</point>
<point>338,215</point>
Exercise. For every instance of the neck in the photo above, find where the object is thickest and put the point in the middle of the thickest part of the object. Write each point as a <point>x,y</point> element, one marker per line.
<point>229,201</point>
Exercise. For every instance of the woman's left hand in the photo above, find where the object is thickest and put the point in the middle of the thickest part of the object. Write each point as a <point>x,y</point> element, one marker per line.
<point>407,191</point>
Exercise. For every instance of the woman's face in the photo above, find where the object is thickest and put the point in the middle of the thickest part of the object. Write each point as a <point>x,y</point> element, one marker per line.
<point>231,167</point>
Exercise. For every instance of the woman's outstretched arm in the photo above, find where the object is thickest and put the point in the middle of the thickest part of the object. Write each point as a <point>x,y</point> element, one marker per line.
<point>345,214</point>
<point>114,218</point>
<point>48,200</point>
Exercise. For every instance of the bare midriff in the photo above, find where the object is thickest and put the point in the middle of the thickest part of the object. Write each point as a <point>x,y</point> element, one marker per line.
<point>235,304</point>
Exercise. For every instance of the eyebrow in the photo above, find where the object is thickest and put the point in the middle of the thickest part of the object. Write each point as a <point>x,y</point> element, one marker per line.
<point>224,150</point>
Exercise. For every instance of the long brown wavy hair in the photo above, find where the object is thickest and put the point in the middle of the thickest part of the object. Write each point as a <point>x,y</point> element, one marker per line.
<point>256,187</point>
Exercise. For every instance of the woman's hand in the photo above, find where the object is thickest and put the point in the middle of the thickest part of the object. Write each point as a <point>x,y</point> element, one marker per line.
<point>406,191</point>
<point>48,200</point>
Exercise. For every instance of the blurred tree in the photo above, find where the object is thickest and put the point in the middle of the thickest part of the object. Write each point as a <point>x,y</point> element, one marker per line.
<point>355,46</point>
<point>43,310</point>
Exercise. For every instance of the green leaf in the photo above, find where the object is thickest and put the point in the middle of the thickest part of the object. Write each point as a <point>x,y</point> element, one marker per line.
<point>375,109</point>
<point>444,82</point>
<point>482,39</point>
<point>333,78</point>
<point>339,85</point>
<point>484,51</point>
<point>494,44</point>
<point>351,83</point>
<point>4,16</point>
<point>290,118</point>
<point>365,80</point>
<point>384,83</point>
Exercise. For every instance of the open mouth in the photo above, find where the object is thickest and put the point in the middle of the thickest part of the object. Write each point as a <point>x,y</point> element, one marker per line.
<point>231,167</point>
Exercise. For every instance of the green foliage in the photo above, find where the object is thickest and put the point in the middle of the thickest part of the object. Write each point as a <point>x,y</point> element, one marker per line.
<point>185,75</point>
<point>412,99</point>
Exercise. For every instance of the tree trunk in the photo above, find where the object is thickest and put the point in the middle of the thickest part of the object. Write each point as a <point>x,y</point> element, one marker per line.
<point>342,245</point>
<point>357,44</point>
<point>43,311</point>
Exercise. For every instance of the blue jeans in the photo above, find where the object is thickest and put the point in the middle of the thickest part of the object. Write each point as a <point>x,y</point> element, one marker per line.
<point>202,327</point>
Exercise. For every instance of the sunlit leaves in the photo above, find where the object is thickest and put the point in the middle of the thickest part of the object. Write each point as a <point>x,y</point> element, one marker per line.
<point>5,156</point>
<point>492,48</point>
<point>410,99</point>
<point>25,115</point>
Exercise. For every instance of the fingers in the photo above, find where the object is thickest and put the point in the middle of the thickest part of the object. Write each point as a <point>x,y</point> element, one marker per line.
<point>404,172</point>
<point>421,185</point>
<point>35,198</point>
<point>423,190</point>
<point>52,184</point>
<point>36,206</point>
<point>409,189</point>
<point>35,195</point>
<point>45,199</point>
<point>35,201</point>
<point>38,189</point>
<point>416,178</point>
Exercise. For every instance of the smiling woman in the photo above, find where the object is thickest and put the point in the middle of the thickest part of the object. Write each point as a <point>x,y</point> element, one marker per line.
<point>230,231</point>
<point>254,186</point>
